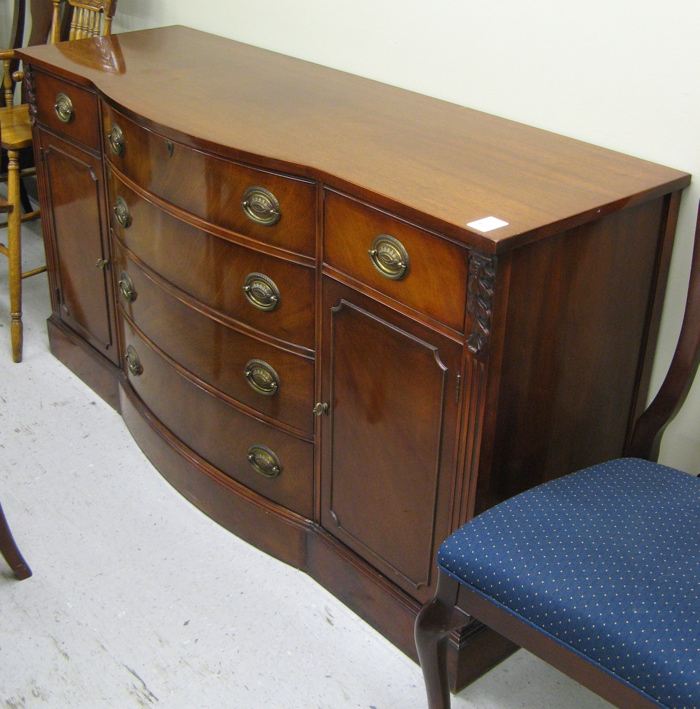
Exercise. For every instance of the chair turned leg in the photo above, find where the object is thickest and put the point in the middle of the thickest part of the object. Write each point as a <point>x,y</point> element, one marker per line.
<point>434,623</point>
<point>10,552</point>
<point>14,247</point>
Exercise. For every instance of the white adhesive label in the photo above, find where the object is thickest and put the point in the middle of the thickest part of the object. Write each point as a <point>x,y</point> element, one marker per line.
<point>487,224</point>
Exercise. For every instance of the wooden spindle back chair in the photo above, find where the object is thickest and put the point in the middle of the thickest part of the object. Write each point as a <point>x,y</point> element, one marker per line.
<point>88,18</point>
<point>52,20</point>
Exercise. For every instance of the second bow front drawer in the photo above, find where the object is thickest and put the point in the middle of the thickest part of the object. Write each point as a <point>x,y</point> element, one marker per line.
<point>271,380</point>
<point>270,294</point>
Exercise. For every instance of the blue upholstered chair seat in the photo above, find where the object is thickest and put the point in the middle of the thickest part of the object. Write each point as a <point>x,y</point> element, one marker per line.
<point>610,525</point>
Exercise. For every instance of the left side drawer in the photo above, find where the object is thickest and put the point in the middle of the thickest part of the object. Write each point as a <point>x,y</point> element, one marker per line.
<point>67,109</point>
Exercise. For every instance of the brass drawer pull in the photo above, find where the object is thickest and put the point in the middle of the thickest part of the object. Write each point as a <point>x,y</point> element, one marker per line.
<point>261,206</point>
<point>116,140</point>
<point>126,287</point>
<point>121,212</point>
<point>389,257</point>
<point>261,291</point>
<point>262,377</point>
<point>64,108</point>
<point>133,362</point>
<point>264,461</point>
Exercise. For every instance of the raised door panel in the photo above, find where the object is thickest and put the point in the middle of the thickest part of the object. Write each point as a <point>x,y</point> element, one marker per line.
<point>389,441</point>
<point>75,191</point>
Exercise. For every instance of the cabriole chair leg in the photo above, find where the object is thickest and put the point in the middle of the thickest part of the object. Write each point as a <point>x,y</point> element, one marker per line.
<point>10,552</point>
<point>434,623</point>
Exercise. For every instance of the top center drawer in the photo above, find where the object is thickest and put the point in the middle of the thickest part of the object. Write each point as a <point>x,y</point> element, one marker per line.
<point>268,207</point>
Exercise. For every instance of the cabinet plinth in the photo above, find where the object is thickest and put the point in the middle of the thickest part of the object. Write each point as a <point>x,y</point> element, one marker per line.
<point>285,295</point>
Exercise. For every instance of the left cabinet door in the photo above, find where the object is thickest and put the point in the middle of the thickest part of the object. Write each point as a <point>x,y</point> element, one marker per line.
<point>77,230</point>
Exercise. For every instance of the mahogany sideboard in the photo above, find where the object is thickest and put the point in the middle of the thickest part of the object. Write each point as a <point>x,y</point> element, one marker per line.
<point>339,317</point>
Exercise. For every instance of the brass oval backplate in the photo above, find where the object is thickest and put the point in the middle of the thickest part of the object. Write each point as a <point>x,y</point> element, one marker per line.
<point>121,212</point>
<point>262,377</point>
<point>116,140</point>
<point>126,287</point>
<point>389,257</point>
<point>261,206</point>
<point>264,461</point>
<point>64,108</point>
<point>261,291</point>
<point>133,362</point>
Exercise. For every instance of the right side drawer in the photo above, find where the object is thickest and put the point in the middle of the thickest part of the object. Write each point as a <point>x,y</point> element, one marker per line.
<point>398,259</point>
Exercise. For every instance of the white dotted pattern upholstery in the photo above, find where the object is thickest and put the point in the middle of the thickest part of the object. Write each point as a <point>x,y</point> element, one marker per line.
<point>605,560</point>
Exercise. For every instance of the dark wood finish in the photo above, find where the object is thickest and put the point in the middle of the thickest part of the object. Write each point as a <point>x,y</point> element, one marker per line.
<point>445,390</point>
<point>434,284</point>
<point>268,526</point>
<point>84,126</point>
<point>148,162</point>
<point>440,162</point>
<point>89,365</point>
<point>217,269</point>
<point>10,551</point>
<point>392,391</point>
<point>74,188</point>
<point>649,428</point>
<point>217,353</point>
<point>453,604</point>
<point>218,432</point>
<point>577,316</point>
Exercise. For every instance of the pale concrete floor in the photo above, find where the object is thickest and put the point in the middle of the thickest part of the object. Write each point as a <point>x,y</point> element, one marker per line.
<point>139,600</point>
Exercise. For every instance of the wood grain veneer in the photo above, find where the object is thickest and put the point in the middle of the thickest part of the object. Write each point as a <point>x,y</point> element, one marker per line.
<point>498,360</point>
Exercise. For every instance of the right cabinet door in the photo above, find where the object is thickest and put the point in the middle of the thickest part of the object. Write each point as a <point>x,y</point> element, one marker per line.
<point>389,436</point>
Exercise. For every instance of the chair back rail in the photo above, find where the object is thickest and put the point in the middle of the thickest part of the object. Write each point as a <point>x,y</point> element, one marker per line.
<point>650,426</point>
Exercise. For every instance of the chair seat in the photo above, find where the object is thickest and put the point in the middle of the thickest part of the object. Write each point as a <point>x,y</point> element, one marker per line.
<point>15,127</point>
<point>602,559</point>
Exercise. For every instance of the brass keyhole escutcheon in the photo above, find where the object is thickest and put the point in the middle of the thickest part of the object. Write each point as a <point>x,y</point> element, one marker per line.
<point>262,377</point>
<point>264,461</point>
<point>261,291</point>
<point>121,212</point>
<point>64,108</point>
<point>116,140</point>
<point>261,206</point>
<point>126,287</point>
<point>389,257</point>
<point>170,147</point>
<point>133,362</point>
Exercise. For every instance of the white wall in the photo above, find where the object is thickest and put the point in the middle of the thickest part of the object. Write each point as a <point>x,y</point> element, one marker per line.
<point>619,73</point>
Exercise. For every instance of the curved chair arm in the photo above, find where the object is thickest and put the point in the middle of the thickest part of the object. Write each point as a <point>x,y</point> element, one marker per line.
<point>647,432</point>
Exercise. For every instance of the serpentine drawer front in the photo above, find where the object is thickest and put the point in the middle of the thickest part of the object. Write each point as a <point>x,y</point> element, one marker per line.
<point>341,318</point>
<point>217,269</point>
<point>275,209</point>
<point>271,380</point>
